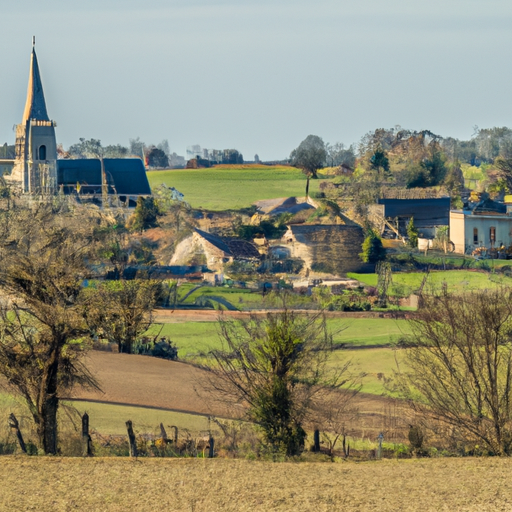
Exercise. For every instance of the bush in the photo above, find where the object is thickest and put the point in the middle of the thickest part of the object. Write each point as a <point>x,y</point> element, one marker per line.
<point>373,250</point>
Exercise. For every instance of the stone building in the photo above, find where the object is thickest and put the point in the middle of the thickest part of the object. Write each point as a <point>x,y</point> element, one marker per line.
<point>36,169</point>
<point>36,145</point>
<point>487,225</point>
<point>332,249</point>
<point>214,251</point>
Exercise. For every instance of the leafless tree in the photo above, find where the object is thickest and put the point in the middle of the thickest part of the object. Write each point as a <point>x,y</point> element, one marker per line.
<point>43,254</point>
<point>120,311</point>
<point>458,365</point>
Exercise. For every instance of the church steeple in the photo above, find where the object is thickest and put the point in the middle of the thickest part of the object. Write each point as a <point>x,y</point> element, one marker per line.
<point>35,107</point>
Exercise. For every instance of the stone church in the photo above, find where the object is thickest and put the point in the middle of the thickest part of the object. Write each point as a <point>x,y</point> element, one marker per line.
<point>37,169</point>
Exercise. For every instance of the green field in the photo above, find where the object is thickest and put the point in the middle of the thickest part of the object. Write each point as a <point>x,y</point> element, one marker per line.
<point>226,188</point>
<point>110,419</point>
<point>196,338</point>
<point>456,280</point>
<point>240,298</point>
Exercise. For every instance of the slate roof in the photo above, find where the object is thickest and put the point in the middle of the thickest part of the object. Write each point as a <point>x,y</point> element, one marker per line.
<point>125,176</point>
<point>35,107</point>
<point>426,212</point>
<point>489,207</point>
<point>235,247</point>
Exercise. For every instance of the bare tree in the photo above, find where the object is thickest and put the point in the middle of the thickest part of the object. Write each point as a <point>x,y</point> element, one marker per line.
<point>120,311</point>
<point>458,365</point>
<point>43,252</point>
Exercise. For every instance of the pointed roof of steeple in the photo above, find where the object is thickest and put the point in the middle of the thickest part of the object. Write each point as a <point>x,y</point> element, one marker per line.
<point>35,107</point>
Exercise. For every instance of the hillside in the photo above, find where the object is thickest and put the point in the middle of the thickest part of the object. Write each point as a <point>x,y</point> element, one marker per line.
<point>233,187</point>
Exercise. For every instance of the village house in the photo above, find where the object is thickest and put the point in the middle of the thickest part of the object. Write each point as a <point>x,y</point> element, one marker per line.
<point>487,225</point>
<point>332,249</point>
<point>213,251</point>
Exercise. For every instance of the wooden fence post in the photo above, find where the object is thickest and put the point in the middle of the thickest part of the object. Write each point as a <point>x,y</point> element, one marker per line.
<point>316,441</point>
<point>163,433</point>
<point>211,451</point>
<point>131,439</point>
<point>13,423</point>
<point>86,438</point>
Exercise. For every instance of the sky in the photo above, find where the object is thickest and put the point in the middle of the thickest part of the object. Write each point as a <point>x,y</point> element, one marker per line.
<point>258,76</point>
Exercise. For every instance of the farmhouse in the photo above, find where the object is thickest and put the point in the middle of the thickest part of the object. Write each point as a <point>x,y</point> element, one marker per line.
<point>36,169</point>
<point>488,225</point>
<point>214,251</point>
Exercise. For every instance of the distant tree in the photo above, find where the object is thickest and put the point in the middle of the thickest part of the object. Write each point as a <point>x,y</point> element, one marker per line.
<point>379,161</point>
<point>338,154</point>
<point>157,158</point>
<point>309,156</point>
<point>256,158</point>
<point>232,156</point>
<point>412,233</point>
<point>137,148</point>
<point>121,311</point>
<point>91,148</point>
<point>373,250</point>
<point>164,146</point>
<point>504,166</point>
<point>144,216</point>
<point>115,151</point>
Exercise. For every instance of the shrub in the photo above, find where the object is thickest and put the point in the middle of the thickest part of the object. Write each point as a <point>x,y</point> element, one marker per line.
<point>373,250</point>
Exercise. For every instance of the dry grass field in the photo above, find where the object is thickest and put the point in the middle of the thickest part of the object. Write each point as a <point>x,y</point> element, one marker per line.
<point>194,485</point>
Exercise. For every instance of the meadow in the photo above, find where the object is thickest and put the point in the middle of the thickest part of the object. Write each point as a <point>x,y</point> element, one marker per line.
<point>456,280</point>
<point>233,187</point>
<point>196,338</point>
<point>198,485</point>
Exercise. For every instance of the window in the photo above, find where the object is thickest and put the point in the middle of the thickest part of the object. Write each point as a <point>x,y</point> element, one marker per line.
<point>475,236</point>
<point>42,152</point>
<point>492,235</point>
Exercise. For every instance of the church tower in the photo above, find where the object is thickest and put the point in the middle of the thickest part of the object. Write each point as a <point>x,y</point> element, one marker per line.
<point>35,165</point>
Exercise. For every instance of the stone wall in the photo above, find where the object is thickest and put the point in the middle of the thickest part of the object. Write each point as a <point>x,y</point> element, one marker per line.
<point>331,249</point>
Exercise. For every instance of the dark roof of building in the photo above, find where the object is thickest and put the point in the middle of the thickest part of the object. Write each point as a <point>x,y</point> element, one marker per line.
<point>235,247</point>
<point>489,207</point>
<point>35,106</point>
<point>426,212</point>
<point>125,176</point>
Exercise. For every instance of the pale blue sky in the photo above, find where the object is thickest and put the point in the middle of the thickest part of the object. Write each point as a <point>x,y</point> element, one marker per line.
<point>258,76</point>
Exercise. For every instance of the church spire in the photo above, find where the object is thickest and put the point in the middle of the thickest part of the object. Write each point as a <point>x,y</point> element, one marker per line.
<point>35,107</point>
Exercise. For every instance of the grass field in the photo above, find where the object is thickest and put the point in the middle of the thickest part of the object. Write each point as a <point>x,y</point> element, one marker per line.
<point>195,485</point>
<point>456,280</point>
<point>233,187</point>
<point>110,419</point>
<point>195,338</point>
